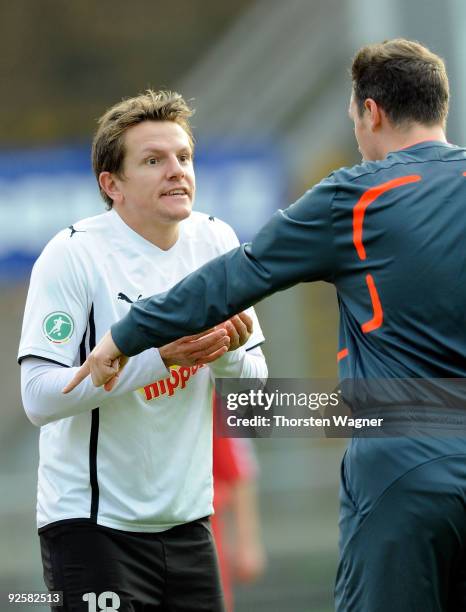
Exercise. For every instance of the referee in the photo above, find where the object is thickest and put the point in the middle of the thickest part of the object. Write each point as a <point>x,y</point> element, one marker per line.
<point>390,235</point>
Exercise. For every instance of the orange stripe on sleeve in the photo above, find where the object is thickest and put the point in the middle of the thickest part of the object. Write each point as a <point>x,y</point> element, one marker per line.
<point>367,198</point>
<point>342,354</point>
<point>377,318</point>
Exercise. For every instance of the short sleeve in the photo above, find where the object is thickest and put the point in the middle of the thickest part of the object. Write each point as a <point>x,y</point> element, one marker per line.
<point>229,240</point>
<point>57,306</point>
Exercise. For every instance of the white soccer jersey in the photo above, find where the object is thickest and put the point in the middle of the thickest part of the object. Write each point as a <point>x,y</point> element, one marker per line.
<point>141,461</point>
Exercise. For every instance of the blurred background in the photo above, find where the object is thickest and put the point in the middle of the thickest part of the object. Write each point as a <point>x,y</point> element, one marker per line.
<point>269,80</point>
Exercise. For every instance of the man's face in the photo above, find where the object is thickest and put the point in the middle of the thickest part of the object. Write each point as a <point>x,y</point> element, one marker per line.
<point>157,183</point>
<point>362,131</point>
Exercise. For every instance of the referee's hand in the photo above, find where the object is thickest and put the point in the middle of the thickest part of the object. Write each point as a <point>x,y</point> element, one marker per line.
<point>104,364</point>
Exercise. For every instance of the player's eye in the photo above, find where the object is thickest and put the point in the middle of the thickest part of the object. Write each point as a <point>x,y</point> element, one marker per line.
<point>184,157</point>
<point>152,161</point>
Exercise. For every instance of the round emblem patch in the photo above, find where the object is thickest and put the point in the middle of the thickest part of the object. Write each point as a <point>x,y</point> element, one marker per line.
<point>58,327</point>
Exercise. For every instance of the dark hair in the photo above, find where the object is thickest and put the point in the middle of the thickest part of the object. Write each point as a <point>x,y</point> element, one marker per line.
<point>108,146</point>
<point>407,80</point>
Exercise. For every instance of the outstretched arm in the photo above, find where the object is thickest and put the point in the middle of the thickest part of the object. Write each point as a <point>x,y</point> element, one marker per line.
<point>295,245</point>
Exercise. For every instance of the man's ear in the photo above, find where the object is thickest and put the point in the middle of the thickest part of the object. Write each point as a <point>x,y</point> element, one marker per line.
<point>110,184</point>
<point>375,113</point>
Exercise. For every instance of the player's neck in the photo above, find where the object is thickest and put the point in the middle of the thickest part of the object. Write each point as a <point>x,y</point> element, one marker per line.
<point>162,235</point>
<point>396,140</point>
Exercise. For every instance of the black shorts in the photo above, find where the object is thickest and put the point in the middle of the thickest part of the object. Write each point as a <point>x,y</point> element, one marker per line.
<point>103,569</point>
<point>403,539</point>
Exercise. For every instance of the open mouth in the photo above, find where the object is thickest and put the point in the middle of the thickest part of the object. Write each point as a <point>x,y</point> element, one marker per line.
<point>180,192</point>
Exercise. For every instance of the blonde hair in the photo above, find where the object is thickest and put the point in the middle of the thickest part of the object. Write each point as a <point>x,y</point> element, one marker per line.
<point>108,149</point>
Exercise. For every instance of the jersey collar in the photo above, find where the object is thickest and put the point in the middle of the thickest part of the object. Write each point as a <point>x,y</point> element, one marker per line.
<point>136,239</point>
<point>424,144</point>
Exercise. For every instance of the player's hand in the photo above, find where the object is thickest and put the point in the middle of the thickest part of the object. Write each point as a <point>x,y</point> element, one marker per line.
<point>239,330</point>
<point>104,364</point>
<point>194,350</point>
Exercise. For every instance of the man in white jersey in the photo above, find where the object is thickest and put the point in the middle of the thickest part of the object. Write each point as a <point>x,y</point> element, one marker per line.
<point>125,474</point>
